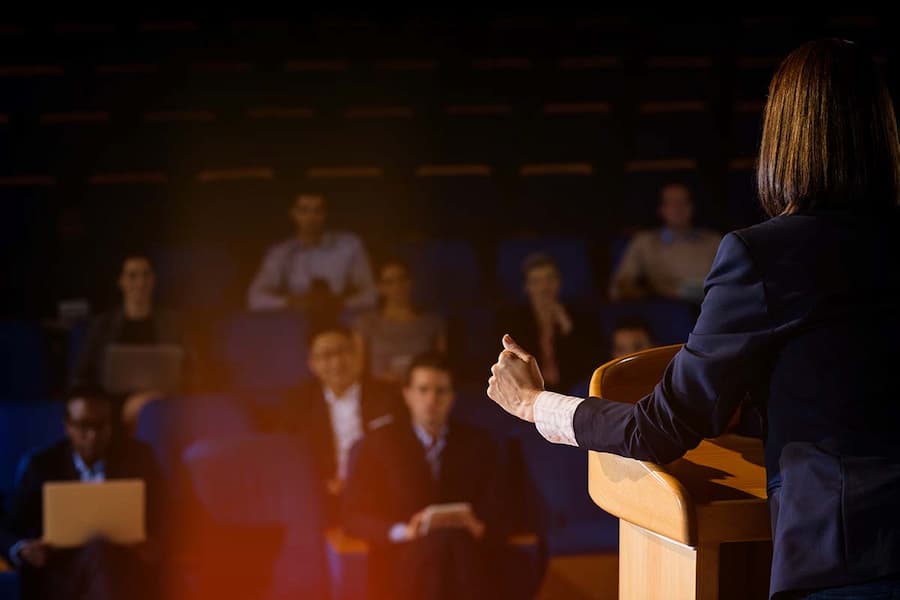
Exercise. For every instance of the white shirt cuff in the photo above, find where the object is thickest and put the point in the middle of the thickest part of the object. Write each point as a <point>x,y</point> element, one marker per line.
<point>397,533</point>
<point>554,415</point>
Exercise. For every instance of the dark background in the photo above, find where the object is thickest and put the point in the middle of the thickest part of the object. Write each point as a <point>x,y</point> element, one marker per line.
<point>177,133</point>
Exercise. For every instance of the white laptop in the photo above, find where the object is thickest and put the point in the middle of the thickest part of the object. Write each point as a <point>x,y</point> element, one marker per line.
<point>142,368</point>
<point>76,512</point>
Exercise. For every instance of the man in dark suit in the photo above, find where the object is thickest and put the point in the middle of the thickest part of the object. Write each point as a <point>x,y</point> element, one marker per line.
<point>99,569</point>
<point>333,412</point>
<point>564,338</point>
<point>402,468</point>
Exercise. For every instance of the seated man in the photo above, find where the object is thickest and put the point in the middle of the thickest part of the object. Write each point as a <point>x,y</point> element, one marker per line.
<point>99,569</point>
<point>671,262</point>
<point>136,323</point>
<point>630,336</point>
<point>401,469</point>
<point>318,272</point>
<point>333,412</point>
<point>565,337</point>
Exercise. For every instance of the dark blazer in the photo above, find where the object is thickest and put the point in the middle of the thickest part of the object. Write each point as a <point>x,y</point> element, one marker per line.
<point>106,329</point>
<point>801,320</point>
<point>576,354</point>
<point>306,415</point>
<point>390,479</point>
<point>126,459</point>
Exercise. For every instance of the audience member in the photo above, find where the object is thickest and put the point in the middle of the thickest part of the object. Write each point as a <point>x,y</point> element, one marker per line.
<point>562,334</point>
<point>136,323</point>
<point>396,333</point>
<point>630,336</point>
<point>333,412</point>
<point>400,470</point>
<point>317,271</point>
<point>99,569</point>
<point>671,262</point>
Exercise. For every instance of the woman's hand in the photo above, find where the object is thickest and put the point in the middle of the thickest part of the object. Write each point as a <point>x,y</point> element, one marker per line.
<point>516,380</point>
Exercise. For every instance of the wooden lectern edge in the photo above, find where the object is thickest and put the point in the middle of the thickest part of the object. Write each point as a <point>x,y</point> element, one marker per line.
<point>650,496</point>
<point>644,494</point>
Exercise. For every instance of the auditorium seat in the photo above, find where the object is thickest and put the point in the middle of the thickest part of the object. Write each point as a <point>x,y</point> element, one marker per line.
<point>25,426</point>
<point>670,321</point>
<point>571,254</point>
<point>23,361</point>
<point>569,521</point>
<point>259,492</point>
<point>170,425</point>
<point>446,273</point>
<point>265,351</point>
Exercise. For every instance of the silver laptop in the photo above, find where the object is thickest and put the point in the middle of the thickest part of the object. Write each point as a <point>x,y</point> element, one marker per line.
<point>140,368</point>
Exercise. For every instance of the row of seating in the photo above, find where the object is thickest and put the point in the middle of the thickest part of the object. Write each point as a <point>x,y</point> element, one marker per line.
<point>264,354</point>
<point>214,447</point>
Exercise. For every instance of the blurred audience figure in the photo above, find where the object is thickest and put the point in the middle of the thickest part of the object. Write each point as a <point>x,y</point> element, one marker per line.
<point>396,333</point>
<point>671,262</point>
<point>331,413</point>
<point>100,569</point>
<point>136,323</point>
<point>401,471</point>
<point>318,272</point>
<point>629,336</point>
<point>562,335</point>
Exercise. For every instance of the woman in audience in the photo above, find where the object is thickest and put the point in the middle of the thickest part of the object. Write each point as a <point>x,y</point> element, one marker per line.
<point>395,333</point>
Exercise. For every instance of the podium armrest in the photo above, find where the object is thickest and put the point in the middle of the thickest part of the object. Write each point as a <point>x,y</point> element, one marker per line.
<point>642,493</point>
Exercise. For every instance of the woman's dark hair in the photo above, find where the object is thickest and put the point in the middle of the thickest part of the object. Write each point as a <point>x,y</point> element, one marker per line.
<point>829,136</point>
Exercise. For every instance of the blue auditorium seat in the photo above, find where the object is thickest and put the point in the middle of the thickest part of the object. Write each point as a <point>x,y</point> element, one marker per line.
<point>25,427</point>
<point>23,361</point>
<point>571,254</point>
<point>670,321</point>
<point>258,482</point>
<point>570,522</point>
<point>9,585</point>
<point>170,425</point>
<point>446,273</point>
<point>265,351</point>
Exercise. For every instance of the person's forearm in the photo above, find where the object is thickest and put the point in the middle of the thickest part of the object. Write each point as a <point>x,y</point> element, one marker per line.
<point>607,426</point>
<point>260,299</point>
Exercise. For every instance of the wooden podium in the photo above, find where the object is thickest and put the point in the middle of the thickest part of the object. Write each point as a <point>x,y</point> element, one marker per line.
<point>696,528</point>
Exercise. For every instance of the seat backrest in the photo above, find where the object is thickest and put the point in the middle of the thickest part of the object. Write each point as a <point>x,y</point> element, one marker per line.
<point>266,480</point>
<point>23,361</point>
<point>630,378</point>
<point>265,350</point>
<point>26,426</point>
<point>170,425</point>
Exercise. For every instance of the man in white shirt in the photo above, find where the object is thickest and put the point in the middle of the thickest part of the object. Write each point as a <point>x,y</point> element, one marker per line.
<point>333,412</point>
<point>316,271</point>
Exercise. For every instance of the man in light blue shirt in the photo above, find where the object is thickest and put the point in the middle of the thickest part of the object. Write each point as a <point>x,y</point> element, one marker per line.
<point>317,271</point>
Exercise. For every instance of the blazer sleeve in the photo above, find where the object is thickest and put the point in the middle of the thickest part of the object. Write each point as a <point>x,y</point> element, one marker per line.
<point>724,358</point>
<point>362,515</point>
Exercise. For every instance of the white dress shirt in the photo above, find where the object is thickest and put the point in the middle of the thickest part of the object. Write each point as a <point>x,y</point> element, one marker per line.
<point>346,423</point>
<point>554,416</point>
